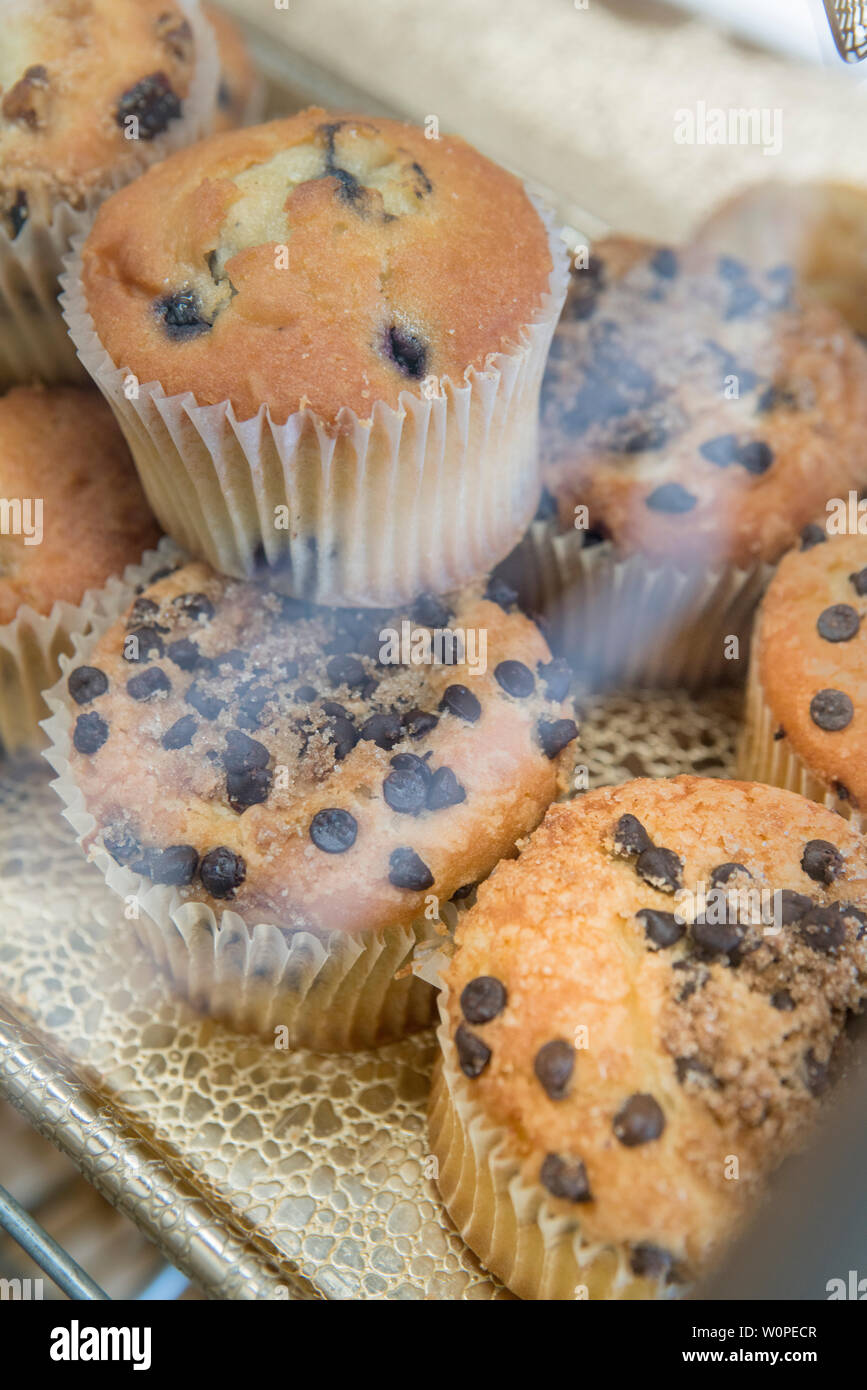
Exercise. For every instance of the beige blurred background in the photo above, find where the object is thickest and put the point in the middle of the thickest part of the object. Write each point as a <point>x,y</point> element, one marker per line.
<point>580,100</point>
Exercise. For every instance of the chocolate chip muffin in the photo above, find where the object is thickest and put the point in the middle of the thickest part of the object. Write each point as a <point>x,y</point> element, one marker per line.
<point>90,93</point>
<point>819,228</point>
<point>247,759</point>
<point>240,93</point>
<point>806,727</point>
<point>362,345</point>
<point>695,416</point>
<point>641,1013</point>
<point>73,514</point>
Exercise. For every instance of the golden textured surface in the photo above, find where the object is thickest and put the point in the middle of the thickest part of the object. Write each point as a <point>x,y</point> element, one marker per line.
<point>261,1173</point>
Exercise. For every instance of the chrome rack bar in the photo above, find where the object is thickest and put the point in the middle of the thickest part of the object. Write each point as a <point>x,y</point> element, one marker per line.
<point>46,1252</point>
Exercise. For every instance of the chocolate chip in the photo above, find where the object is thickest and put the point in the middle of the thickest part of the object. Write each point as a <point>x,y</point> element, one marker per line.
<point>18,212</point>
<point>198,607</point>
<point>661,868</point>
<point>346,670</point>
<point>407,870</point>
<point>153,102</point>
<point>384,730</point>
<point>650,1261</point>
<point>419,722</point>
<point>243,753</point>
<point>87,683</point>
<point>501,593</point>
<point>90,733</point>
<point>444,790</point>
<point>483,999</point>
<point>823,929</point>
<point>142,610</point>
<point>811,535</point>
<point>344,736</point>
<point>176,865</point>
<point>333,830</point>
<point>181,315</point>
<point>630,836</point>
<point>756,456</point>
<point>722,450</point>
<point>407,351</point>
<point>233,660</point>
<point>556,676</point>
<point>742,300</point>
<point>689,1068</point>
<point>723,872</point>
<point>208,706</point>
<point>122,845</point>
<point>473,1054</point>
<point>184,653</point>
<point>661,928</point>
<point>461,702</point>
<point>793,906</point>
<point>554,1064</point>
<point>565,1178</point>
<point>405,791</point>
<point>638,1121</point>
<point>781,999</point>
<point>249,787</point>
<point>515,678</point>
<point>831,710</point>
<point>149,683</point>
<point>839,623</point>
<point>670,497</point>
<point>180,735</point>
<point>222,871</point>
<point>716,938</point>
<point>142,643</point>
<point>429,611</point>
<point>822,861</point>
<point>555,735</point>
<point>464,891</point>
<point>405,761</point>
<point>815,1073</point>
<point>779,733</point>
<point>664,262</point>
<point>859,582</point>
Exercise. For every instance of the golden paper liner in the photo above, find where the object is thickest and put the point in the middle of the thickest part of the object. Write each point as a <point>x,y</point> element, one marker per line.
<point>331,991</point>
<point>425,497</point>
<point>762,758</point>
<point>34,341</point>
<point>503,1214</point>
<point>626,621</point>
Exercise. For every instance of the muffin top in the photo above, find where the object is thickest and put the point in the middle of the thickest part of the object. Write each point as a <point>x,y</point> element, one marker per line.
<point>238,77</point>
<point>82,83</point>
<point>633,1038</point>
<point>821,228</point>
<point>75,511</point>
<point>295,765</point>
<point>697,410</point>
<point>812,660</point>
<point>324,260</point>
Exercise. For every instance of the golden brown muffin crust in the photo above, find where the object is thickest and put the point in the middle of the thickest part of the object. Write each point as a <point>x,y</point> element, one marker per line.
<point>812,658</point>
<point>640,423</point>
<point>327,259</point>
<point>726,1050</point>
<point>60,445</point>
<point>246,717</point>
<point>71,71</point>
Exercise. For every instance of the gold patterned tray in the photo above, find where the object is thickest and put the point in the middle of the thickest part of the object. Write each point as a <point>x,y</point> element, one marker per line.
<point>260,1173</point>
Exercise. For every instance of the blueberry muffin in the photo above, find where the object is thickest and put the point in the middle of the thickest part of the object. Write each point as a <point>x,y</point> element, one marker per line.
<point>820,228</point>
<point>695,417</point>
<point>90,93</point>
<point>240,89</point>
<point>74,515</point>
<point>248,759</point>
<point>806,726</point>
<point>350,347</point>
<point>641,1013</point>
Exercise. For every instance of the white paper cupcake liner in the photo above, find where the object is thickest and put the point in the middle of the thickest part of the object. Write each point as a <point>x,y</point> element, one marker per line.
<point>630,622</point>
<point>34,341</point>
<point>503,1215</point>
<point>427,496</point>
<point>31,646</point>
<point>334,991</point>
<point>764,758</point>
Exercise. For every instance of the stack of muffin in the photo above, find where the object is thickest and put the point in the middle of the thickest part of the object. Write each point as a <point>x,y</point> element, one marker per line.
<point>304,729</point>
